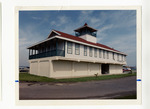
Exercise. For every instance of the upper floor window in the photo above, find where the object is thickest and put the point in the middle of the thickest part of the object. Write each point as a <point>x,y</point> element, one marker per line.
<point>113,55</point>
<point>121,57</point>
<point>124,58</point>
<point>107,54</point>
<point>85,50</point>
<point>77,49</point>
<point>104,54</point>
<point>95,52</point>
<point>117,57</point>
<point>90,51</point>
<point>69,47</point>
<point>100,54</point>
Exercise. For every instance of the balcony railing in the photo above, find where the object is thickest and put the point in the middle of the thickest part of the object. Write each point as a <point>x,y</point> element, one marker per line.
<point>48,54</point>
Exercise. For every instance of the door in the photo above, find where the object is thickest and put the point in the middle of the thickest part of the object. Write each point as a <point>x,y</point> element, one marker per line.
<point>105,68</point>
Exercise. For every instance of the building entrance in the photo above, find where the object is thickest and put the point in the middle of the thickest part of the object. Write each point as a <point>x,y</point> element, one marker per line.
<point>105,68</point>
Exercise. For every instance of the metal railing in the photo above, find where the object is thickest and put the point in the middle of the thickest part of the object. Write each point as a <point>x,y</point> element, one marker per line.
<point>48,54</point>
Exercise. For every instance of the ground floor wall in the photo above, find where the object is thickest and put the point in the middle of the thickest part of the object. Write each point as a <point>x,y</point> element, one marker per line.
<point>40,67</point>
<point>63,69</point>
<point>115,69</point>
<point>68,69</point>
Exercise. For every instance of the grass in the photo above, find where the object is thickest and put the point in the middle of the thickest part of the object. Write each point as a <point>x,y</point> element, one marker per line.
<point>33,78</point>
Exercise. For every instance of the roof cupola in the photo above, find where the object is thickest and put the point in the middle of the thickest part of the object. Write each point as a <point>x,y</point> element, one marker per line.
<point>86,32</point>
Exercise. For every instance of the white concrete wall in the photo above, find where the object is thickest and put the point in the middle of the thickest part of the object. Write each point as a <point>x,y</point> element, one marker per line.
<point>80,69</point>
<point>53,68</point>
<point>70,69</point>
<point>95,69</point>
<point>110,60</point>
<point>89,38</point>
<point>61,69</point>
<point>40,67</point>
<point>34,67</point>
<point>115,69</point>
<point>44,68</point>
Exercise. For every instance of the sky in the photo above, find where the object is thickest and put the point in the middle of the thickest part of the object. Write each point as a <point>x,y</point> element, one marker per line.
<point>116,28</point>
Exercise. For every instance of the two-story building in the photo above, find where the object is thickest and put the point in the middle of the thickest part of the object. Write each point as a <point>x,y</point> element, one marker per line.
<point>63,55</point>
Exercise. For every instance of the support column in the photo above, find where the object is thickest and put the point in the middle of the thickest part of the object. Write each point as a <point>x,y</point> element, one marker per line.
<point>32,51</point>
<point>29,52</point>
<point>35,52</point>
<point>56,46</point>
<point>64,47</point>
<point>45,47</point>
<point>45,50</point>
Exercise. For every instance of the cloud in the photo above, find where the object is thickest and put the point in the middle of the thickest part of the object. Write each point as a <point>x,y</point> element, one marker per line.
<point>86,13</point>
<point>24,42</point>
<point>61,21</point>
<point>36,18</point>
<point>109,24</point>
<point>85,16</point>
<point>107,27</point>
<point>28,35</point>
<point>53,23</point>
<point>125,43</point>
<point>102,32</point>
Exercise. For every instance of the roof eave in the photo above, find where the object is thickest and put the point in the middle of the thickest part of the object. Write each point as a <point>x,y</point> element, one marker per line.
<point>40,42</point>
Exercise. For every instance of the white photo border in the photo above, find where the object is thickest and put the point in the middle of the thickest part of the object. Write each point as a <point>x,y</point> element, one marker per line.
<point>0,52</point>
<point>82,102</point>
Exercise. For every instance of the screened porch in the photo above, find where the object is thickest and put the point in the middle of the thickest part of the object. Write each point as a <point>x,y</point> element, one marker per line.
<point>54,47</point>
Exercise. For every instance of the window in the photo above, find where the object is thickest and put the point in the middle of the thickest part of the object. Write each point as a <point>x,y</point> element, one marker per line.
<point>104,54</point>
<point>77,49</point>
<point>121,57</point>
<point>90,51</point>
<point>95,52</point>
<point>124,58</point>
<point>117,57</point>
<point>85,50</point>
<point>69,47</point>
<point>107,54</point>
<point>100,55</point>
<point>113,56</point>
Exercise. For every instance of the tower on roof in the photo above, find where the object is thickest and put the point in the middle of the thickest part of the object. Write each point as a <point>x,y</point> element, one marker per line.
<point>86,32</point>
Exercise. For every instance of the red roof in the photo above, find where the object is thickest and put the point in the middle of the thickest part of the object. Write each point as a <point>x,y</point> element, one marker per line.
<point>65,35</point>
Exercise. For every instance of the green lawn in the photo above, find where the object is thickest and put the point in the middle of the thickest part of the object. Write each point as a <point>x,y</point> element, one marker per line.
<point>33,78</point>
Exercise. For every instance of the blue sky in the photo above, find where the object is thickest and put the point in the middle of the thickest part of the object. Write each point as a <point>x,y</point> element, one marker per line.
<point>116,28</point>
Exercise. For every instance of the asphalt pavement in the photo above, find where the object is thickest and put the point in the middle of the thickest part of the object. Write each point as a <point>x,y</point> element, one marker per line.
<point>104,89</point>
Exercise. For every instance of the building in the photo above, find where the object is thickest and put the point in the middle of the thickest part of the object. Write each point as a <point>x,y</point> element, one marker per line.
<point>63,55</point>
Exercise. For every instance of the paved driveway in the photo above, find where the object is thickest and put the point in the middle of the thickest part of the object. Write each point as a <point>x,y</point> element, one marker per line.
<point>82,90</point>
